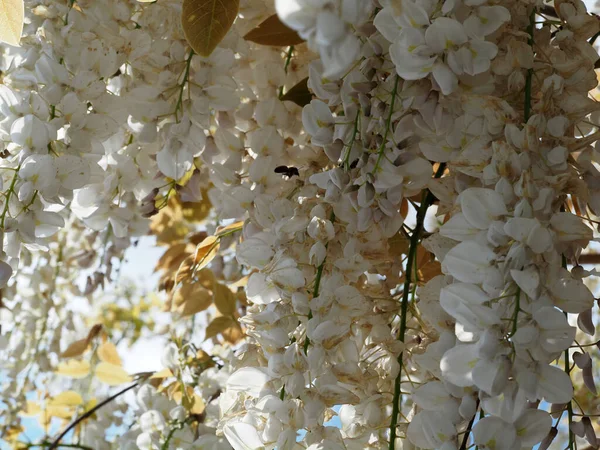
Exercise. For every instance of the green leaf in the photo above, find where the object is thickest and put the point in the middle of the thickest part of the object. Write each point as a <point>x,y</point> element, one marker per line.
<point>273,31</point>
<point>299,94</point>
<point>206,22</point>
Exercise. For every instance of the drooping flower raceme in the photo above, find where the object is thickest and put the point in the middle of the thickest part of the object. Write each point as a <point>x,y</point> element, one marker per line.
<point>400,242</point>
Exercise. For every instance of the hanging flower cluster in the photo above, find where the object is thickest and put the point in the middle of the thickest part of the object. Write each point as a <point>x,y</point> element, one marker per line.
<point>379,208</point>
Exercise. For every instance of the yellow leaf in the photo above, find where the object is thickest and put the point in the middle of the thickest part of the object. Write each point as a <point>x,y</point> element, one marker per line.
<point>74,369</point>
<point>91,404</point>
<point>198,407</point>
<point>218,325</point>
<point>11,21</point>
<point>165,373</point>
<point>111,374</point>
<point>273,31</point>
<point>196,211</point>
<point>206,251</point>
<point>60,411</point>
<point>77,348</point>
<point>231,228</point>
<point>206,22</point>
<point>107,352</point>
<point>33,409</point>
<point>224,299</point>
<point>242,282</point>
<point>68,398</point>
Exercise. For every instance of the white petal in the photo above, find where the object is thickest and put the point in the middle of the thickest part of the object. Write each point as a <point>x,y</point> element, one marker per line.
<point>250,380</point>
<point>242,436</point>
<point>459,228</point>
<point>494,433</point>
<point>457,364</point>
<point>554,385</point>
<point>430,429</point>
<point>533,426</point>
<point>469,262</point>
<point>528,280</point>
<point>481,206</point>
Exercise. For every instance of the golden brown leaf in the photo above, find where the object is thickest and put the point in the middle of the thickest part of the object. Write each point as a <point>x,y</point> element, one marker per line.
<point>94,331</point>
<point>206,251</point>
<point>168,225</point>
<point>224,299</point>
<point>192,298</point>
<point>185,270</point>
<point>273,31</point>
<point>172,253</point>
<point>206,279</point>
<point>206,22</point>
<point>299,94</point>
<point>217,326</point>
<point>231,228</point>
<point>76,348</point>
<point>233,334</point>
<point>399,245</point>
<point>196,211</point>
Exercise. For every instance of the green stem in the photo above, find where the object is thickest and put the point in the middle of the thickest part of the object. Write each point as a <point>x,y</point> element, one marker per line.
<point>186,75</point>
<point>388,123</point>
<point>354,133</point>
<point>529,78</point>
<point>11,191</point>
<point>569,405</point>
<point>516,313</point>
<point>463,446</point>
<point>288,60</point>
<point>46,444</point>
<point>412,253</point>
<point>315,292</point>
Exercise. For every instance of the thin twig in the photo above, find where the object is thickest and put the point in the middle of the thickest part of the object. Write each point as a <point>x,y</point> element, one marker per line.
<point>89,414</point>
<point>412,253</point>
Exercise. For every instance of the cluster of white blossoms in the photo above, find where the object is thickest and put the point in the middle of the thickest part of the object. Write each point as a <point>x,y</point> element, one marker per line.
<point>498,107</point>
<point>162,423</point>
<point>332,153</point>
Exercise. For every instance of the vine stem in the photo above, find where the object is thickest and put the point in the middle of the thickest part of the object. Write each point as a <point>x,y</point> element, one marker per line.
<point>529,78</point>
<point>315,292</point>
<point>463,446</point>
<point>88,414</point>
<point>412,253</point>
<point>515,316</point>
<point>186,75</point>
<point>387,125</point>
<point>46,444</point>
<point>288,60</point>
